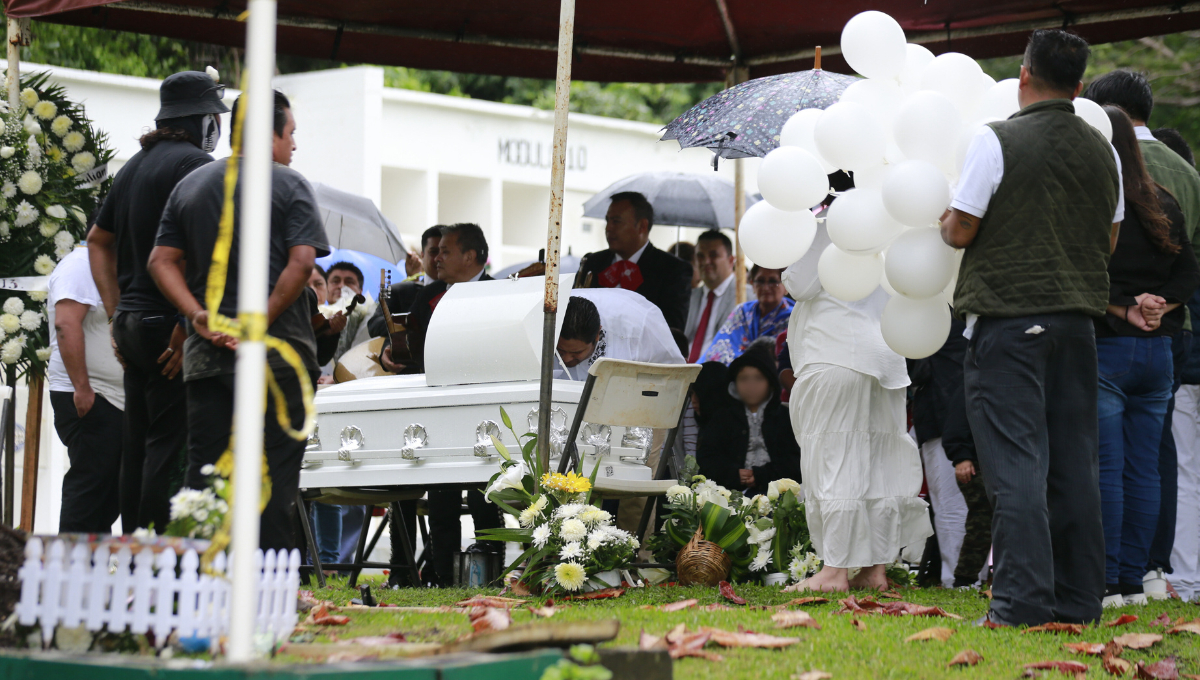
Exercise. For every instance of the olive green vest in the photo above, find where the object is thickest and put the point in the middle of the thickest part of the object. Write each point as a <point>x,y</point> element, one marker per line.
<point>1043,245</point>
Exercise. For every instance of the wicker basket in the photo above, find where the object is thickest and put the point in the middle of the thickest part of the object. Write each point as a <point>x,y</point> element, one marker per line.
<point>701,562</point>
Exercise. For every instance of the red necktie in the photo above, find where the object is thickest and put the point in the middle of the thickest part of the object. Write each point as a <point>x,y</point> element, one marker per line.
<point>702,329</point>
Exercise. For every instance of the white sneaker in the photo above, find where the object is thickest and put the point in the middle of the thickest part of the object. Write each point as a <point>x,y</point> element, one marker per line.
<point>1116,600</point>
<point>1154,584</point>
<point>1139,599</point>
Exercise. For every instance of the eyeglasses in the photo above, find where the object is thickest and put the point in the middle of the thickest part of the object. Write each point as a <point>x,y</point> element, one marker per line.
<point>218,89</point>
<point>767,282</point>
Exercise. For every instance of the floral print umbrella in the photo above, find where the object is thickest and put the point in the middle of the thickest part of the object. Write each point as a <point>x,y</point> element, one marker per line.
<point>745,120</point>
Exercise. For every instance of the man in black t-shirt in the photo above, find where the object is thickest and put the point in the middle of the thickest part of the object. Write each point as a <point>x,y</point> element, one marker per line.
<point>188,232</point>
<point>144,326</point>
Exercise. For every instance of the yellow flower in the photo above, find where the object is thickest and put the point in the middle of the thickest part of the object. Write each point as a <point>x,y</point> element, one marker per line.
<point>45,110</point>
<point>55,154</point>
<point>28,97</point>
<point>569,575</point>
<point>570,482</point>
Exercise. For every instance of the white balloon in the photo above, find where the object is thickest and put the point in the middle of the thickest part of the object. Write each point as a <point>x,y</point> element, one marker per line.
<point>791,179</point>
<point>919,264</point>
<point>774,238</point>
<point>798,131</point>
<point>958,77</point>
<point>883,281</point>
<point>915,193</point>
<point>964,141</point>
<point>916,58</point>
<point>915,329</point>
<point>858,223</point>
<point>849,136</point>
<point>871,177</point>
<point>1094,114</point>
<point>873,44</point>
<point>927,126</point>
<point>881,97</point>
<point>1000,101</point>
<point>848,277</point>
<point>988,82</point>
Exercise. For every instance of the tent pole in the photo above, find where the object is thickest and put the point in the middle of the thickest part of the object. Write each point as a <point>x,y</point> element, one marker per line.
<point>558,170</point>
<point>738,75</point>
<point>250,386</point>
<point>18,36</point>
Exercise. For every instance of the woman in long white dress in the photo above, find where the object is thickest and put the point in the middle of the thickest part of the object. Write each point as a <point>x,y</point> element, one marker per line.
<point>861,471</point>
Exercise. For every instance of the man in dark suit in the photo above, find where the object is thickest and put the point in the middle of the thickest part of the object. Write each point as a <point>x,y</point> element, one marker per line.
<point>633,263</point>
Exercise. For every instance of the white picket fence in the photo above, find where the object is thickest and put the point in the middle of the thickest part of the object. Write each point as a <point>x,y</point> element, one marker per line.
<point>102,589</point>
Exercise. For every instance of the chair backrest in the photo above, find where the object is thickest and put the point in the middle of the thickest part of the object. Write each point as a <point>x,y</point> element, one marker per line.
<point>635,394</point>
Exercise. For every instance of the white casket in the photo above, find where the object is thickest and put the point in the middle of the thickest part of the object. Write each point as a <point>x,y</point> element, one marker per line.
<point>482,352</point>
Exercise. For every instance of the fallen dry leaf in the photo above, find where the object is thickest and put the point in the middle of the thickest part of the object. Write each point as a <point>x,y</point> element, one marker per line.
<point>692,644</point>
<point>1124,619</point>
<point>1160,670</point>
<point>910,609</point>
<point>801,601</point>
<point>1117,666</point>
<point>543,612</point>
<point>1163,620</point>
<point>717,607</point>
<point>726,591</point>
<point>647,641</point>
<point>1189,676</point>
<point>891,595</point>
<point>942,634</point>
<point>679,606</point>
<point>967,657</point>
<point>1070,628</point>
<point>812,675</point>
<point>1138,640</point>
<point>320,616</point>
<point>858,625</point>
<point>987,593</point>
<point>484,619</point>
<point>794,619</point>
<point>1065,667</point>
<point>489,601</point>
<point>602,594</point>
<point>1089,648</point>
<point>727,638</point>
<point>1189,627</point>
<point>514,584</point>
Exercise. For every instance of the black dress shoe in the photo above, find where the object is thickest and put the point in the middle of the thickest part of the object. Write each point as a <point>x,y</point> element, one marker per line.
<point>990,620</point>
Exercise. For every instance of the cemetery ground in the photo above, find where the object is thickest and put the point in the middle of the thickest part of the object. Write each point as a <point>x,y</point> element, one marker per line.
<point>846,645</point>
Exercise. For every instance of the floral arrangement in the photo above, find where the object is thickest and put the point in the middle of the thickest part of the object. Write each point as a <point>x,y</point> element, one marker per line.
<point>569,540</point>
<point>726,518</point>
<point>53,177</point>
<point>200,513</point>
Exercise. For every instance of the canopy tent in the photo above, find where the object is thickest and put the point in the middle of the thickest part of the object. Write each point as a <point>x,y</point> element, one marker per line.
<point>617,40</point>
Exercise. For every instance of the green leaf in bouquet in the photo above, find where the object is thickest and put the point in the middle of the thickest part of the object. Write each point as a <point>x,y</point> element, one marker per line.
<point>679,534</point>
<point>723,528</point>
<point>517,562</point>
<point>504,417</point>
<point>500,448</point>
<point>592,482</point>
<point>505,534</point>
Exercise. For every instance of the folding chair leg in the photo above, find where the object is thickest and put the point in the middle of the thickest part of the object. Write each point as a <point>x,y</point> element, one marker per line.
<point>360,551</point>
<point>406,545</point>
<point>661,471</point>
<point>302,508</point>
<point>571,449</point>
<point>378,532</point>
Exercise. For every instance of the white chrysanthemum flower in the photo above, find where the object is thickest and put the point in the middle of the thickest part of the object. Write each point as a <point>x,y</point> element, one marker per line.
<point>31,320</point>
<point>5,231</point>
<point>760,560</point>
<point>14,305</point>
<point>569,510</point>
<point>60,251</point>
<point>37,295</point>
<point>530,514</point>
<point>57,212</point>
<point>83,161</point>
<point>7,152</point>
<point>796,569</point>
<point>9,190</point>
<point>48,228</point>
<point>74,141</point>
<point>760,537</point>
<point>593,516</point>
<point>573,530</point>
<point>678,494</point>
<point>596,539</point>
<point>43,354</point>
<point>20,340</point>
<point>3,335</point>
<point>30,182</point>
<point>571,551</point>
<point>61,126</point>
<point>45,109</point>
<point>64,239</point>
<point>26,214</point>
<point>709,491</point>
<point>10,352</point>
<point>541,535</point>
<point>43,265</point>
<point>10,323</point>
<point>569,575</point>
<point>3,127</point>
<point>29,97</point>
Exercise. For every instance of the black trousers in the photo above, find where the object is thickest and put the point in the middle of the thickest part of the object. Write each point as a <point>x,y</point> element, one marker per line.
<point>1031,387</point>
<point>210,421</point>
<point>445,526</point>
<point>1168,465</point>
<point>90,493</point>
<point>155,421</point>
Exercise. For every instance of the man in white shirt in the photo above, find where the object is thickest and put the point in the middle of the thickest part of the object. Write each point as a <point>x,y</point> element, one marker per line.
<point>715,298</point>
<point>87,393</point>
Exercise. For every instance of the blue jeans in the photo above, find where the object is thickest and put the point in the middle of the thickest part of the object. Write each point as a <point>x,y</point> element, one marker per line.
<point>1135,386</point>
<point>327,531</point>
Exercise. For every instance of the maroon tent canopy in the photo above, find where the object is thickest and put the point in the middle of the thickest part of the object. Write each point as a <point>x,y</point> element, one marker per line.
<point>616,40</point>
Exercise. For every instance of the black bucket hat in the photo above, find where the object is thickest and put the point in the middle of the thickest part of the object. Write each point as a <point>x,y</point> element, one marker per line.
<point>190,93</point>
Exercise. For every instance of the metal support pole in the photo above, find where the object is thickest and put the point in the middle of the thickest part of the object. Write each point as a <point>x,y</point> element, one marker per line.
<point>249,400</point>
<point>18,36</point>
<point>558,170</point>
<point>738,75</point>
<point>33,440</point>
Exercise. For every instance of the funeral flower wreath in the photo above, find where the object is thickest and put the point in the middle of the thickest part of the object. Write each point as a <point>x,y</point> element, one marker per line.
<point>53,177</point>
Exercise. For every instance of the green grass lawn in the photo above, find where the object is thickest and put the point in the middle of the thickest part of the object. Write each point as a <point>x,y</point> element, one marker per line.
<point>837,648</point>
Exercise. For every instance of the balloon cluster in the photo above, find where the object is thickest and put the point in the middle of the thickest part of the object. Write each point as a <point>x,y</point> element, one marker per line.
<point>903,131</point>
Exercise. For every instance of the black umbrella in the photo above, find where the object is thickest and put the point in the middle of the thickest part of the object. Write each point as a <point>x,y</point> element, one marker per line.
<point>745,120</point>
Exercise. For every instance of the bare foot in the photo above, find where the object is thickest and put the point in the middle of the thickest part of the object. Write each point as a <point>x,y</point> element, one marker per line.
<point>871,578</point>
<point>828,580</point>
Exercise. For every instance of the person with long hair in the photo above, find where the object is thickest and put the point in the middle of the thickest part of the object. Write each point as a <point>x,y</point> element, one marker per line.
<point>1152,272</point>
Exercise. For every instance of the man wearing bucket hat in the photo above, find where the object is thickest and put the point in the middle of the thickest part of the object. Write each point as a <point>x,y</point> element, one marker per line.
<point>146,332</point>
